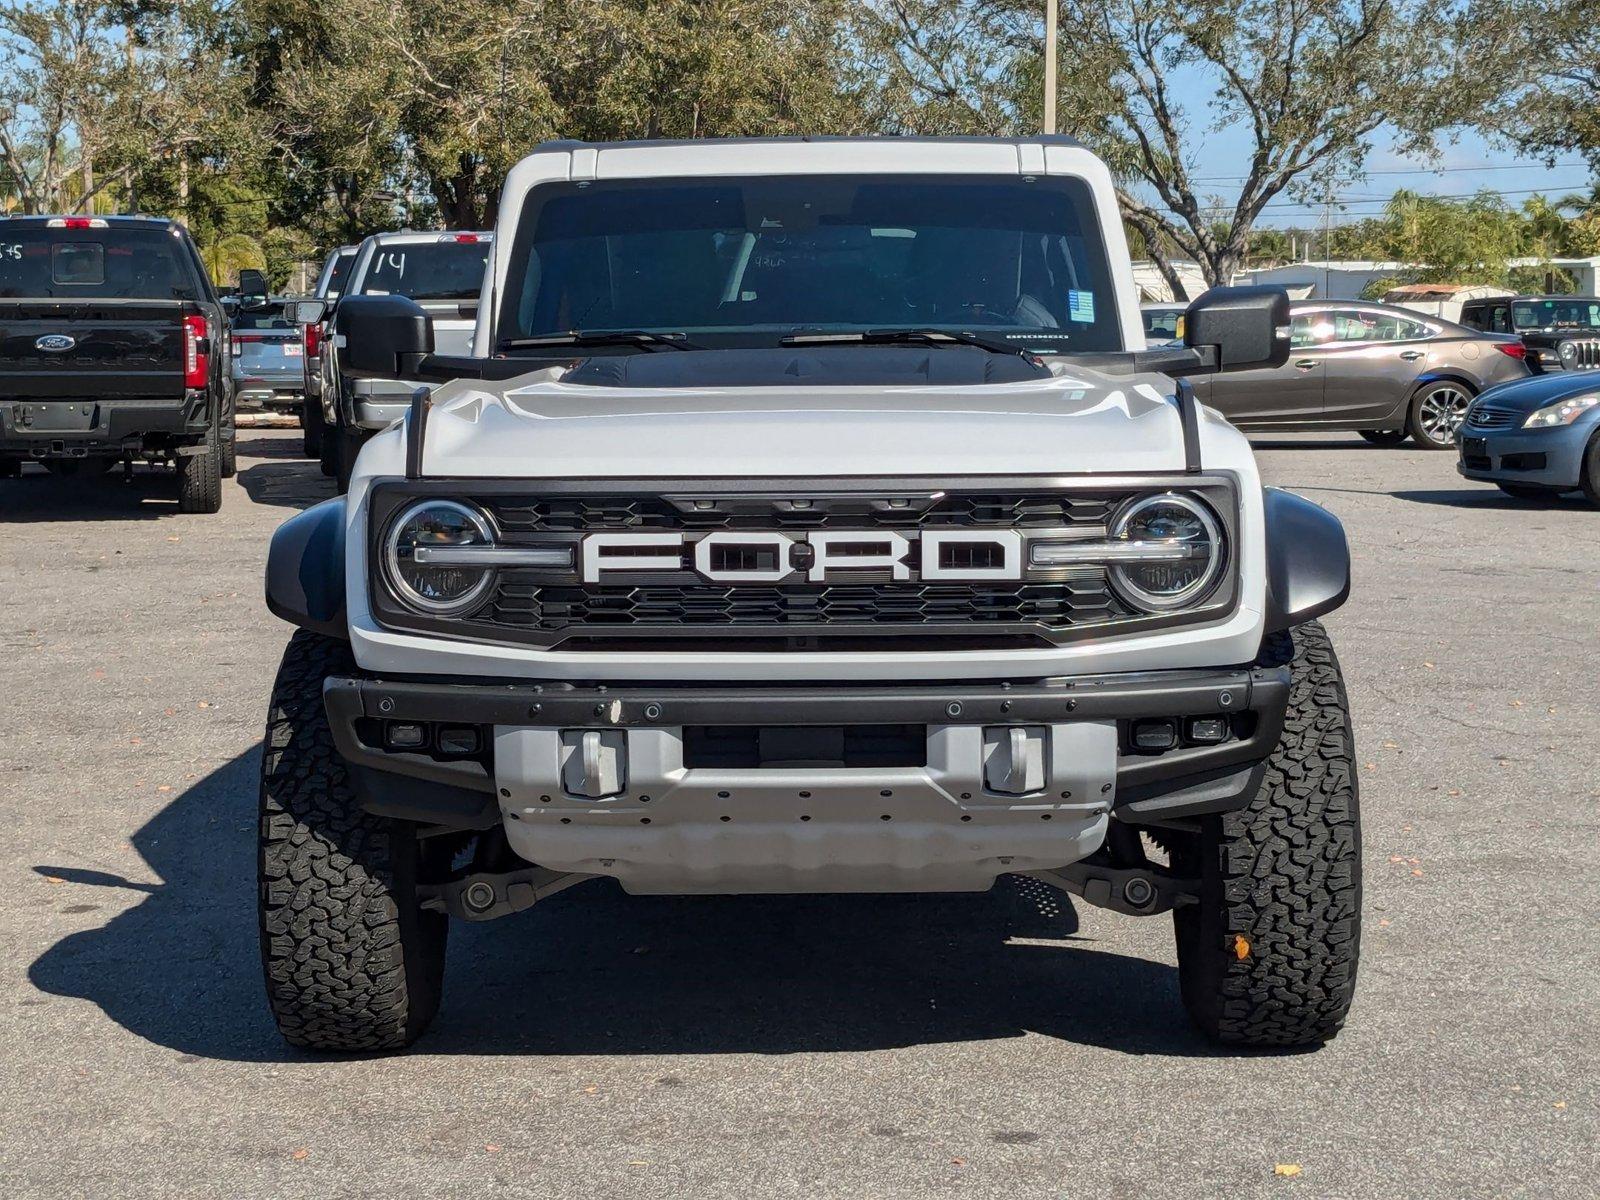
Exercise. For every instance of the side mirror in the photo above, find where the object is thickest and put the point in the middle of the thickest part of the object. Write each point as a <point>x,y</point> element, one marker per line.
<point>385,337</point>
<point>1239,328</point>
<point>308,312</point>
<point>252,282</point>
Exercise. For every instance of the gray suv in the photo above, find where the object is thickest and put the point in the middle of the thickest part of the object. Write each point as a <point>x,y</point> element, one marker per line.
<point>1382,371</point>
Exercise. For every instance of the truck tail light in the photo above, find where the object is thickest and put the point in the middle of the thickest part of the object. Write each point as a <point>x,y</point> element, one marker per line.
<point>196,360</point>
<point>469,239</point>
<point>313,340</point>
<point>1513,349</point>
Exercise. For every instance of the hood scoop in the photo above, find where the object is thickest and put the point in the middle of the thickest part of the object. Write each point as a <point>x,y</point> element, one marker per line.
<point>813,366</point>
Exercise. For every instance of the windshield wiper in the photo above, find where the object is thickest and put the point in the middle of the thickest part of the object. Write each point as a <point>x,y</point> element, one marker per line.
<point>603,337</point>
<point>908,337</point>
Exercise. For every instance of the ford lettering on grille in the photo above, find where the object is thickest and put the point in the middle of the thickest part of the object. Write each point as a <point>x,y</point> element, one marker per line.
<point>818,556</point>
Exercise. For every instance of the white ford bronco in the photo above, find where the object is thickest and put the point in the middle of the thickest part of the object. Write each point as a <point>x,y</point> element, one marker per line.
<point>811,518</point>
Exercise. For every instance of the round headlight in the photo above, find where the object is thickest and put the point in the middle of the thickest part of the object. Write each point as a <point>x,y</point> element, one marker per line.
<point>1184,552</point>
<point>423,571</point>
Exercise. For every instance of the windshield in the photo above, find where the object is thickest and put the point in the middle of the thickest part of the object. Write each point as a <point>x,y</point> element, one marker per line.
<point>1575,312</point>
<point>442,270</point>
<point>761,258</point>
<point>93,264</point>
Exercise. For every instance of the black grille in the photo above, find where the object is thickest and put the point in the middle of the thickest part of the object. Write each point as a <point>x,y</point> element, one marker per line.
<point>558,609</point>
<point>592,514</point>
<point>1491,418</point>
<point>680,610</point>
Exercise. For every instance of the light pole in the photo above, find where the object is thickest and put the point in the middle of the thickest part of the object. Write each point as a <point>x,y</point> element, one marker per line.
<point>1050,7</point>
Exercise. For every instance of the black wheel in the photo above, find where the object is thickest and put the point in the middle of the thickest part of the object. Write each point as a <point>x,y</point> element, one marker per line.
<point>1437,410</point>
<point>1268,956</point>
<point>1589,481</point>
<point>352,962</point>
<point>228,464</point>
<point>311,427</point>
<point>349,446</point>
<point>1523,491</point>
<point>200,477</point>
<point>1384,437</point>
<point>328,450</point>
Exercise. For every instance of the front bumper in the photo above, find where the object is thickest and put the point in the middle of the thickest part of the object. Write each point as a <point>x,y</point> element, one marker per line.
<point>940,824</point>
<point>80,428</point>
<point>1535,457</point>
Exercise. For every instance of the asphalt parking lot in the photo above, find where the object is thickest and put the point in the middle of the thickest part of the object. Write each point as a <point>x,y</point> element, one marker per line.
<point>1011,1044</point>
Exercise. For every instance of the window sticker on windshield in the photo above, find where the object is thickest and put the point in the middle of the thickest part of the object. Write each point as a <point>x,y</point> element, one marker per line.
<point>1080,306</point>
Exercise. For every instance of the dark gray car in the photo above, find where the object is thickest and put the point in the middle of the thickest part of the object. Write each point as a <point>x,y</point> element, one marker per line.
<point>1381,371</point>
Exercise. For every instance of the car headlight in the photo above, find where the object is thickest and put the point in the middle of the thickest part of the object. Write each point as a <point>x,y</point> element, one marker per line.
<point>429,555</point>
<point>1175,551</point>
<point>1562,412</point>
<point>1567,352</point>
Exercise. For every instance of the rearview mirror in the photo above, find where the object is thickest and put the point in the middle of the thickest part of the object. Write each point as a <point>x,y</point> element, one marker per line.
<point>385,337</point>
<point>1239,328</point>
<point>308,312</point>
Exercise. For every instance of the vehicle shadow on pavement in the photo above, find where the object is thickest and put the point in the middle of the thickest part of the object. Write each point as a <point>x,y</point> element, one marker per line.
<point>286,479</point>
<point>1489,497</point>
<point>594,971</point>
<point>152,493</point>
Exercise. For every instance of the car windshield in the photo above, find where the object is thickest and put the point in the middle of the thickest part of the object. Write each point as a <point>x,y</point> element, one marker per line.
<point>447,269</point>
<point>748,261</point>
<point>114,263</point>
<point>1576,312</point>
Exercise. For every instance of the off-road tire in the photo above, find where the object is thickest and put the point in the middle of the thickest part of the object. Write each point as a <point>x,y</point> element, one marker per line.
<point>351,961</point>
<point>349,448</point>
<point>1268,956</point>
<point>311,428</point>
<point>328,454</point>
<point>200,477</point>
<point>1384,437</point>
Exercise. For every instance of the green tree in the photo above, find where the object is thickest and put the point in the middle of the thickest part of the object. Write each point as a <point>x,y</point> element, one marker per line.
<point>1451,241</point>
<point>1309,82</point>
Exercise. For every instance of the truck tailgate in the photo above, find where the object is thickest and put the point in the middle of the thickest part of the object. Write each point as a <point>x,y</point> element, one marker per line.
<point>99,349</point>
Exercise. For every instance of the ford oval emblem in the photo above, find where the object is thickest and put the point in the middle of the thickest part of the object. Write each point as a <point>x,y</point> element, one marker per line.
<point>55,343</point>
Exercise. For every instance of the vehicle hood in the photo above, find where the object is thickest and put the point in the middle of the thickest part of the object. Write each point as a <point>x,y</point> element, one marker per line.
<point>539,426</point>
<point>1536,391</point>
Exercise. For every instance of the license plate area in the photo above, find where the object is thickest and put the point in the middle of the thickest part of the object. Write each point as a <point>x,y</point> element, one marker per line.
<point>801,747</point>
<point>69,417</point>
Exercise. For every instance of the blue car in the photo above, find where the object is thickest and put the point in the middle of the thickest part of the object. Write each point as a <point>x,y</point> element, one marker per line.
<point>1536,437</point>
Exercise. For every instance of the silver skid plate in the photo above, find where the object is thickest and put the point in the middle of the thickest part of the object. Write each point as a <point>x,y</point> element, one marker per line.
<point>938,827</point>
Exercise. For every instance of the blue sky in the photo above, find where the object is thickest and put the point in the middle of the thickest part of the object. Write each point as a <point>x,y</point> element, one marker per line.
<point>1465,165</point>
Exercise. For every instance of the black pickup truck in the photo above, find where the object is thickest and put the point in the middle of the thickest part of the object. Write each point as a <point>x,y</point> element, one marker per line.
<point>113,349</point>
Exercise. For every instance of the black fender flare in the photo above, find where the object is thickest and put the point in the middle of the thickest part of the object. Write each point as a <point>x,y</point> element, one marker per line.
<point>1308,560</point>
<point>305,570</point>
